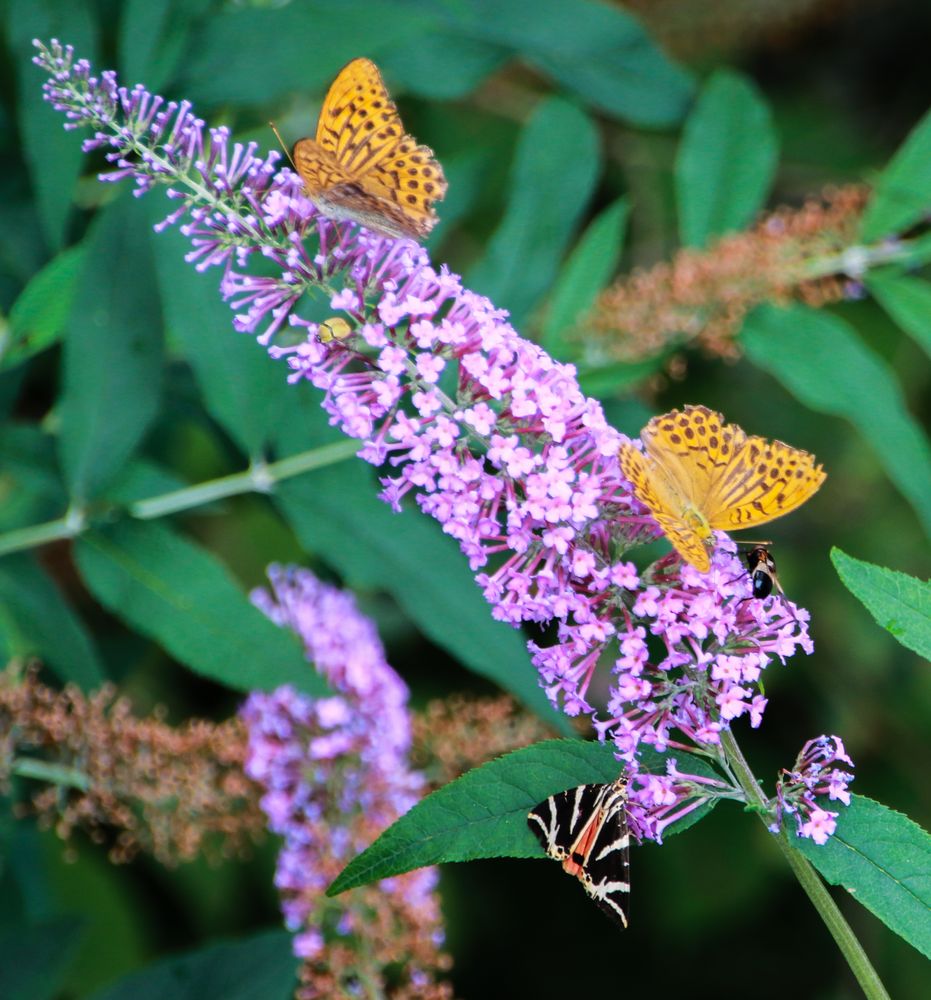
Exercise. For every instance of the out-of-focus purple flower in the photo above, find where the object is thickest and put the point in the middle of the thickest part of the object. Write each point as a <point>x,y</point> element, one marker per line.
<point>481,428</point>
<point>335,775</point>
<point>815,774</point>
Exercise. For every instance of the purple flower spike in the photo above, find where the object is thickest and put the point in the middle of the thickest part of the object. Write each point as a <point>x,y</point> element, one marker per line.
<point>476,425</point>
<point>335,775</point>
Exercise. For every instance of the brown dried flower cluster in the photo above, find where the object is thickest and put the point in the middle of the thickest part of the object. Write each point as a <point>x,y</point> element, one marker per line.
<point>454,734</point>
<point>702,296</point>
<point>137,784</point>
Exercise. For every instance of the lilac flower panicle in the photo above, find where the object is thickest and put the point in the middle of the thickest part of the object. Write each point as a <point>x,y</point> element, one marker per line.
<point>335,773</point>
<point>478,426</point>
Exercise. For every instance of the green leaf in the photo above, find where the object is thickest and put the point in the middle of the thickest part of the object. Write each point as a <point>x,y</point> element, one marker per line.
<point>54,156</point>
<point>34,958</point>
<point>311,42</point>
<point>449,68</point>
<point>39,315</point>
<point>181,596</point>
<point>902,192</point>
<point>483,814</point>
<point>901,604</point>
<point>112,356</point>
<point>618,376</point>
<point>37,621</point>
<point>597,51</point>
<point>554,174</point>
<point>242,386</point>
<point>30,485</point>
<point>883,860</point>
<point>805,350</point>
<point>589,268</point>
<point>261,967</point>
<point>336,512</point>
<point>907,300</point>
<point>153,35</point>
<point>726,160</point>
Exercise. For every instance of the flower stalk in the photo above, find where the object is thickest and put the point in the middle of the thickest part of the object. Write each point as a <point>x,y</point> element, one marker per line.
<point>260,477</point>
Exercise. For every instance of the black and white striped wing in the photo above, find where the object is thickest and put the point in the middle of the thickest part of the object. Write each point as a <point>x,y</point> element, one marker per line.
<point>585,829</point>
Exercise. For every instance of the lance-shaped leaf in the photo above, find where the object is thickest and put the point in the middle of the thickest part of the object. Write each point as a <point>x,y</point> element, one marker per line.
<point>900,603</point>
<point>883,859</point>
<point>483,814</point>
<point>180,595</point>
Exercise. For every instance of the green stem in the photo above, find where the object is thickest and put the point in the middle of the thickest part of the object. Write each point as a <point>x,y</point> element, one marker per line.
<point>73,523</point>
<point>809,880</point>
<point>258,478</point>
<point>857,259</point>
<point>54,774</point>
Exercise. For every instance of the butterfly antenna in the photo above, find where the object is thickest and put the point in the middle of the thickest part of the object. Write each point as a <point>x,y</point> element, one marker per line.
<point>287,152</point>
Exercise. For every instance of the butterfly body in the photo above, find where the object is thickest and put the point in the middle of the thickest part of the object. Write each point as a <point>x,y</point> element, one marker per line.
<point>698,474</point>
<point>585,829</point>
<point>362,166</point>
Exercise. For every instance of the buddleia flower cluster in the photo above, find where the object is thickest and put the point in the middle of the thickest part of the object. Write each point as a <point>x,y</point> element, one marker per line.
<point>335,774</point>
<point>477,426</point>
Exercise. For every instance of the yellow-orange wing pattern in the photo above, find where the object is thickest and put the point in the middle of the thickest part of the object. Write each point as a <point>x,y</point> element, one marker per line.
<point>363,166</point>
<point>699,473</point>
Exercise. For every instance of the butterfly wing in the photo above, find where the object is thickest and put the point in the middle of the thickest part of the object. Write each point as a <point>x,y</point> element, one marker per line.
<point>585,829</point>
<point>662,493</point>
<point>763,480</point>
<point>693,446</point>
<point>318,168</point>
<point>382,170</point>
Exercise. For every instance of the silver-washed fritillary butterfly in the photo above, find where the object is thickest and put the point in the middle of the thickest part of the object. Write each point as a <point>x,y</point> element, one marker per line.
<point>362,166</point>
<point>698,473</point>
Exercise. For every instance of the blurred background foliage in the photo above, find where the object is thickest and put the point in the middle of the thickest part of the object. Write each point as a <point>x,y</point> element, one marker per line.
<point>582,141</point>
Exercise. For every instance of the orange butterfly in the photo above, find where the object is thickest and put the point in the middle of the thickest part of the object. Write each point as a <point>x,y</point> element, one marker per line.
<point>698,473</point>
<point>362,166</point>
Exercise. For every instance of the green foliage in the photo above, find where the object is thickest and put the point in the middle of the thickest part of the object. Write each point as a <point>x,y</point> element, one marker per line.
<point>258,968</point>
<point>900,196</point>
<point>587,270</point>
<point>183,597</point>
<point>483,814</point>
<point>113,348</point>
<point>240,383</point>
<point>726,161</point>
<point>883,859</point>
<point>554,173</point>
<point>908,302</point>
<point>899,603</point>
<point>39,316</point>
<point>55,160</point>
<point>805,349</point>
<point>34,957</point>
<point>29,599</point>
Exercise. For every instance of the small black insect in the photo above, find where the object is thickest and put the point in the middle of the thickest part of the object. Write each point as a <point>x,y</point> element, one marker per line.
<point>763,577</point>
